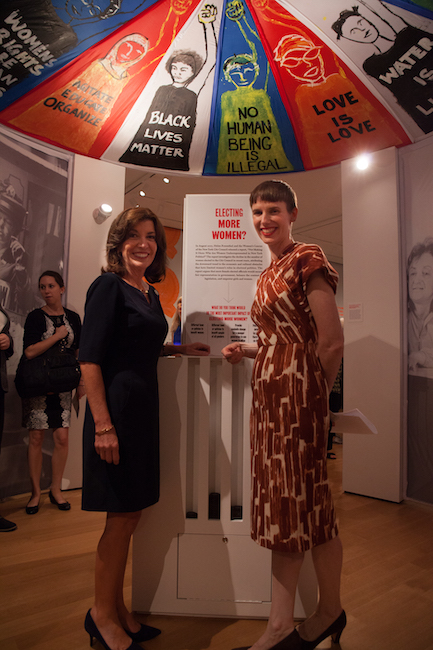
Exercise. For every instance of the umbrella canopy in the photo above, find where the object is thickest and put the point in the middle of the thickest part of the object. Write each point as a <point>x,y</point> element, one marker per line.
<point>221,88</point>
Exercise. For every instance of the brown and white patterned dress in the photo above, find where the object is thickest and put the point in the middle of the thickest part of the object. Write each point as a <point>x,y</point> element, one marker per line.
<point>292,507</point>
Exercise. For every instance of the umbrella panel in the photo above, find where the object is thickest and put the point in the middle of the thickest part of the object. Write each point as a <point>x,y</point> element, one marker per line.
<point>272,85</point>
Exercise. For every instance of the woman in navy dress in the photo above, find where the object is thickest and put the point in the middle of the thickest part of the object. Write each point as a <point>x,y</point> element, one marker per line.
<point>123,333</point>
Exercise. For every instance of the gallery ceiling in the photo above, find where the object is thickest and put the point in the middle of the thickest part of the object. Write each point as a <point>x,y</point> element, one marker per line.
<point>319,198</point>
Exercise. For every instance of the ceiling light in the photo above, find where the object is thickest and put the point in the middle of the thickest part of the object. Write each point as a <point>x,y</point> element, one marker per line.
<point>142,193</point>
<point>166,180</point>
<point>363,161</point>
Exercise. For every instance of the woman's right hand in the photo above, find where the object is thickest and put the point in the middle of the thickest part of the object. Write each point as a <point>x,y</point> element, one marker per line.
<point>39,348</point>
<point>61,333</point>
<point>107,446</point>
<point>5,342</point>
<point>233,352</point>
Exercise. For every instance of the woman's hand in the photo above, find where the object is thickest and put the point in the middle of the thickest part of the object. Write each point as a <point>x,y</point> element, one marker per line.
<point>197,349</point>
<point>5,342</point>
<point>233,352</point>
<point>107,446</point>
<point>39,348</point>
<point>194,349</point>
<point>61,333</point>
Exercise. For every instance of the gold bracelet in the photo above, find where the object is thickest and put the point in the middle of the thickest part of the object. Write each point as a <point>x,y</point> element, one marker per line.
<point>102,431</point>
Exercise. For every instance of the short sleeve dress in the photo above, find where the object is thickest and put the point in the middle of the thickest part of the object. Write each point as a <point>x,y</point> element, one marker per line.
<point>123,333</point>
<point>49,411</point>
<point>292,507</point>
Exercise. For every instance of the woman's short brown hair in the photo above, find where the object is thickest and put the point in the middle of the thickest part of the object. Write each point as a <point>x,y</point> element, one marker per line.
<point>119,232</point>
<point>273,192</point>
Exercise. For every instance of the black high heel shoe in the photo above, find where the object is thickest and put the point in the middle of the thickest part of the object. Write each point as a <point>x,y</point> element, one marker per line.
<point>291,642</point>
<point>61,506</point>
<point>32,510</point>
<point>94,633</point>
<point>145,633</point>
<point>334,630</point>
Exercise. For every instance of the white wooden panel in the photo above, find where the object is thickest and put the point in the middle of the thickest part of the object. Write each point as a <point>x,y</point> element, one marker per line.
<point>372,465</point>
<point>223,567</point>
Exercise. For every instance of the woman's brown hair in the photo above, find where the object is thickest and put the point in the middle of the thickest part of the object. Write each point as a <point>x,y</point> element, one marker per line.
<point>119,232</point>
<point>52,274</point>
<point>275,191</point>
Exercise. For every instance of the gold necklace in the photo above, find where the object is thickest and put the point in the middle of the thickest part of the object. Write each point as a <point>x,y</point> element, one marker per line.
<point>140,288</point>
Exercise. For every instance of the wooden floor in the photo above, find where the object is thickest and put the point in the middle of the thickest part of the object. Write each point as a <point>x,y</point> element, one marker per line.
<point>46,579</point>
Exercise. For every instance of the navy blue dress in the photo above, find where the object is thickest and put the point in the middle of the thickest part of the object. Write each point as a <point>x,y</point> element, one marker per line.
<point>123,333</point>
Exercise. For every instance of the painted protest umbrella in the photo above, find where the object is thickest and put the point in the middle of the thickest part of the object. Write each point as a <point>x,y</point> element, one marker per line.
<point>218,88</point>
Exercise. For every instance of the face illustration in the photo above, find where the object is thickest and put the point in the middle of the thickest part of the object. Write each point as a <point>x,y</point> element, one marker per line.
<point>6,229</point>
<point>83,9</point>
<point>181,72</point>
<point>129,51</point>
<point>180,6</point>
<point>273,223</point>
<point>139,249</point>
<point>242,74</point>
<point>50,290</point>
<point>301,58</point>
<point>359,29</point>
<point>421,279</point>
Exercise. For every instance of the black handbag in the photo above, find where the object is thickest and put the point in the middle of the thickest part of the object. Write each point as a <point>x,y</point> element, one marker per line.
<point>55,371</point>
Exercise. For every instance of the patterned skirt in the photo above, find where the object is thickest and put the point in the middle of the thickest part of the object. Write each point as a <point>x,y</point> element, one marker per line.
<point>292,508</point>
<point>47,411</point>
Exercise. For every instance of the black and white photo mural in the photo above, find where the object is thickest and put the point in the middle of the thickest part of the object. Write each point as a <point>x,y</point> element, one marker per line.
<point>417,208</point>
<point>34,237</point>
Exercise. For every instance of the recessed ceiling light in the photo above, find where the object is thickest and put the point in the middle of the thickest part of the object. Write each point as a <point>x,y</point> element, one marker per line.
<point>142,193</point>
<point>166,180</point>
<point>363,161</point>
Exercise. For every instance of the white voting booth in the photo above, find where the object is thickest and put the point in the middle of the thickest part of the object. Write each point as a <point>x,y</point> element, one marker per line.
<point>192,551</point>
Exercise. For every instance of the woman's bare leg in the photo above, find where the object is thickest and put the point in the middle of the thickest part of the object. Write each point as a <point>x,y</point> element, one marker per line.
<point>36,438</point>
<point>58,462</point>
<point>126,618</point>
<point>285,574</point>
<point>111,556</point>
<point>328,560</point>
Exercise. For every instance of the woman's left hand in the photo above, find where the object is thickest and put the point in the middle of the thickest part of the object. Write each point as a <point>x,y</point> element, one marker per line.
<point>107,446</point>
<point>197,349</point>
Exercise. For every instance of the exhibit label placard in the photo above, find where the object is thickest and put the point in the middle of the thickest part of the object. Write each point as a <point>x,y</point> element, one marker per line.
<point>222,259</point>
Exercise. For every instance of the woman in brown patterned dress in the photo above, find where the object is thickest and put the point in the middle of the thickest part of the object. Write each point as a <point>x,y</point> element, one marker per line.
<point>297,358</point>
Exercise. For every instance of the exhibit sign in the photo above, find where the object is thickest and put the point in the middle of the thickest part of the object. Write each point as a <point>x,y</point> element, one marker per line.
<point>222,259</point>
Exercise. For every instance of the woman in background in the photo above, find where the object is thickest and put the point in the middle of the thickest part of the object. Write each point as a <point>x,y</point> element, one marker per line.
<point>297,358</point>
<point>6,351</point>
<point>45,327</point>
<point>123,334</point>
